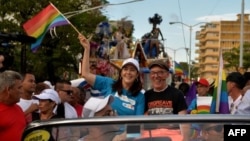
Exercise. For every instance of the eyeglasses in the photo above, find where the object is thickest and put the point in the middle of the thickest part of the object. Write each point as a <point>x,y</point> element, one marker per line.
<point>217,128</point>
<point>158,73</point>
<point>69,92</point>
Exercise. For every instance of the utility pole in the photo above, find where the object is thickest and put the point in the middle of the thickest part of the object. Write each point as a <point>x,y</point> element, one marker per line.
<point>190,44</point>
<point>241,35</point>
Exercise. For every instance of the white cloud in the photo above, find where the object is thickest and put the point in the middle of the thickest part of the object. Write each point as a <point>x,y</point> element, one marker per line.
<point>222,17</point>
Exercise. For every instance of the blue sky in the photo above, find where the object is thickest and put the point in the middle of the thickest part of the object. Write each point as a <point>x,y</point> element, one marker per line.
<point>189,12</point>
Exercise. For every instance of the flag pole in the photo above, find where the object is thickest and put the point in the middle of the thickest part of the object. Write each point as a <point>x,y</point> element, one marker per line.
<point>93,8</point>
<point>73,13</point>
<point>219,82</point>
<point>74,28</point>
<point>66,19</point>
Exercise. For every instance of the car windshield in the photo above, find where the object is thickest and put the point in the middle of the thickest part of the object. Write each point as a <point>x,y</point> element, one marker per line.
<point>134,128</point>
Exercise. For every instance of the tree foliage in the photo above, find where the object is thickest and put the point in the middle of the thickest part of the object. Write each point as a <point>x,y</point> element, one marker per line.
<point>231,58</point>
<point>56,58</point>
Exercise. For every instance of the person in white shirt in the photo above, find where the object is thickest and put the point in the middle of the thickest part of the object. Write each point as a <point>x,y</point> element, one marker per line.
<point>27,104</point>
<point>244,105</point>
<point>235,83</point>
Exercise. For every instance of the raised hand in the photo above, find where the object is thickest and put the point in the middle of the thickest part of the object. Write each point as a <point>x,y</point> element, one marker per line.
<point>84,42</point>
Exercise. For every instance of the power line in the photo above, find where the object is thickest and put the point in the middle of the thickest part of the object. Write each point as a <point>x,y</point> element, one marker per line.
<point>182,24</point>
<point>214,7</point>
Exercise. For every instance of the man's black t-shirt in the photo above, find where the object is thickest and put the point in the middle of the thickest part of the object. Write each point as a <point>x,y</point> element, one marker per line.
<point>168,101</point>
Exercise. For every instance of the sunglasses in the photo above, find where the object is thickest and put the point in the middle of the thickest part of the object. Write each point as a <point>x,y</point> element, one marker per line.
<point>217,128</point>
<point>69,92</point>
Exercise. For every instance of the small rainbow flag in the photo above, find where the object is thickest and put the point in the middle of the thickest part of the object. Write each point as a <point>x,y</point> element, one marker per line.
<point>177,68</point>
<point>203,109</point>
<point>48,18</point>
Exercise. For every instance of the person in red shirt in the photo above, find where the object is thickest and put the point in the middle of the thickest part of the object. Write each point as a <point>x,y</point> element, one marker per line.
<point>12,121</point>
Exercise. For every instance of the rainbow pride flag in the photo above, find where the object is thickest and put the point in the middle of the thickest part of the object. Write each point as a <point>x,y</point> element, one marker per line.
<point>191,94</point>
<point>220,95</point>
<point>204,109</point>
<point>46,19</point>
<point>177,68</point>
<point>204,104</point>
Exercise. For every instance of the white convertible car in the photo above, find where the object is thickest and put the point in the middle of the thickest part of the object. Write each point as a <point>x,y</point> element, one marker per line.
<point>203,127</point>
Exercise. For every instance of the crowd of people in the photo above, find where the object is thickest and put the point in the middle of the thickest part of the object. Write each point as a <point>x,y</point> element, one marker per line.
<point>237,88</point>
<point>22,100</point>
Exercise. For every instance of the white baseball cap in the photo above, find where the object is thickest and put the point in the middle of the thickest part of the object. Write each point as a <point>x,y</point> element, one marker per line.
<point>48,94</point>
<point>131,61</point>
<point>48,83</point>
<point>96,104</point>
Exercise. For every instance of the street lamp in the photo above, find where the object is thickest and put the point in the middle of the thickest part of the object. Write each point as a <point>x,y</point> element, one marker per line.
<point>190,42</point>
<point>174,50</point>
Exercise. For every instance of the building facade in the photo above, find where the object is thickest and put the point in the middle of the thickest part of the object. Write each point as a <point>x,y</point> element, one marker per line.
<point>217,35</point>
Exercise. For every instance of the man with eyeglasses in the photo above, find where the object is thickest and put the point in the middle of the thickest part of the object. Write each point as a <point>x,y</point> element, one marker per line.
<point>163,99</point>
<point>64,90</point>
<point>64,109</point>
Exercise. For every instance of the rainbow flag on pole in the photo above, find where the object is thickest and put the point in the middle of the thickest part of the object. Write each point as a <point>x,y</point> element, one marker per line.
<point>220,95</point>
<point>48,18</point>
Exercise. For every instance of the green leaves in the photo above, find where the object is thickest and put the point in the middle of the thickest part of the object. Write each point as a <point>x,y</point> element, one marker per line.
<point>231,58</point>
